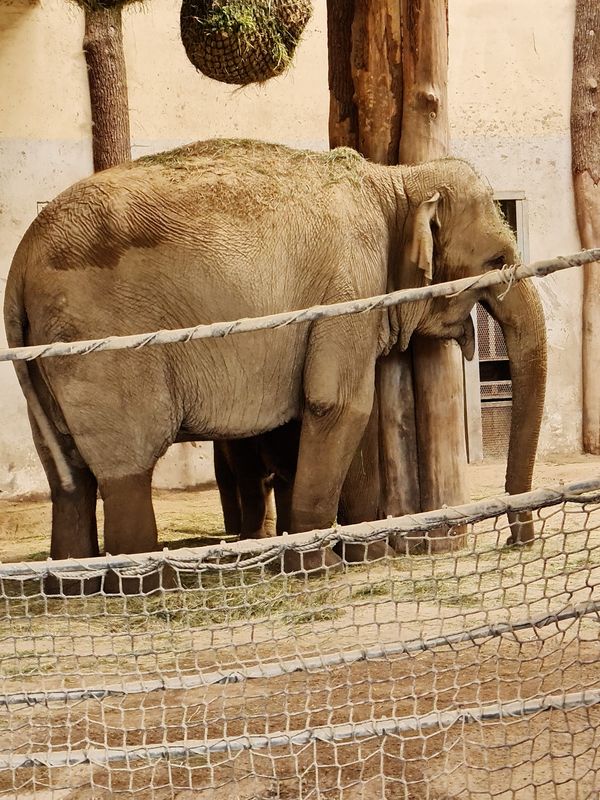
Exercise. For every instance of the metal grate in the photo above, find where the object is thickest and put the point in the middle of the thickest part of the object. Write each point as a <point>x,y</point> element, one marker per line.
<point>491,345</point>
<point>496,390</point>
<point>495,386</point>
<point>495,425</point>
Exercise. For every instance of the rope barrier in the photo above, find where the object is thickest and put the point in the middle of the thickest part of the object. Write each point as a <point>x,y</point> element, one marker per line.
<point>218,330</point>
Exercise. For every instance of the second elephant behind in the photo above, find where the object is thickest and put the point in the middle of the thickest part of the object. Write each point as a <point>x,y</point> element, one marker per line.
<point>257,473</point>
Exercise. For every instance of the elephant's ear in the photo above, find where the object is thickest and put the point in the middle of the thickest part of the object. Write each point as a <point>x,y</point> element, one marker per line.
<point>417,266</point>
<point>420,251</point>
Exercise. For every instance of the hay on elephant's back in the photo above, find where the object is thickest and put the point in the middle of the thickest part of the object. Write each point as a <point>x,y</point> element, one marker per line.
<point>242,41</point>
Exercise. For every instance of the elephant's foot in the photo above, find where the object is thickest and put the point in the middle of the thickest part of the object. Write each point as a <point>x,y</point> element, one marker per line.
<point>522,532</point>
<point>407,545</point>
<point>514,542</point>
<point>438,540</point>
<point>312,562</point>
<point>355,553</point>
<point>261,533</point>
<point>74,532</point>
<point>129,527</point>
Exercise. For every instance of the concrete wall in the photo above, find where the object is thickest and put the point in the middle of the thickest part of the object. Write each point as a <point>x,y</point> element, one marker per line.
<point>510,68</point>
<point>510,97</point>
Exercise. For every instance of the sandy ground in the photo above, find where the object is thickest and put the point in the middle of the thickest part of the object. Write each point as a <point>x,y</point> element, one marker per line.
<point>231,622</point>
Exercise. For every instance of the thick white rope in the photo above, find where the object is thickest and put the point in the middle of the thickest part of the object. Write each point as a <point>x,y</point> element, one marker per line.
<point>326,733</point>
<point>218,330</point>
<point>254,552</point>
<point>293,665</point>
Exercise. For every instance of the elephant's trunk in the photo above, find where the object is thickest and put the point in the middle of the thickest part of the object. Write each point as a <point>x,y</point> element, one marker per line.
<point>521,318</point>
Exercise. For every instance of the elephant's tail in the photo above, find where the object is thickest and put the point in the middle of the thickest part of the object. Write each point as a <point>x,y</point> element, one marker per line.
<point>15,321</point>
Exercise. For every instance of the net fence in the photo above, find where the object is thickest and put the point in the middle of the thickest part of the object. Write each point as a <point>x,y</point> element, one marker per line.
<point>464,674</point>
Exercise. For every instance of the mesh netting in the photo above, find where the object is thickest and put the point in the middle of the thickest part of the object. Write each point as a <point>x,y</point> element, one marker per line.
<point>469,674</point>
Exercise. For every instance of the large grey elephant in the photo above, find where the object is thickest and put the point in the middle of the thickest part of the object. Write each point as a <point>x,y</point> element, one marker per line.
<point>219,230</point>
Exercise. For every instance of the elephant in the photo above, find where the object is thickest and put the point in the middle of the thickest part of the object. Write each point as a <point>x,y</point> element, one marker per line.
<point>224,229</point>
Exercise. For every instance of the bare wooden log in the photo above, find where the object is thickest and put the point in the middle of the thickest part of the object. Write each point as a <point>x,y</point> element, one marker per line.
<point>107,77</point>
<point>425,128</point>
<point>398,457</point>
<point>377,78</point>
<point>343,116</point>
<point>585,138</point>
<point>365,82</point>
<point>438,377</point>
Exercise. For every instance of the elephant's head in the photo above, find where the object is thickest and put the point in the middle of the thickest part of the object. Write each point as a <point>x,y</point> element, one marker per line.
<point>454,229</point>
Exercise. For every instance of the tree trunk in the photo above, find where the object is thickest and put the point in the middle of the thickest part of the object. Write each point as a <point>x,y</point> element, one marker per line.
<point>585,140</point>
<point>103,48</point>
<point>398,456</point>
<point>438,376</point>
<point>343,117</point>
<point>377,78</point>
<point>388,84</point>
<point>365,81</point>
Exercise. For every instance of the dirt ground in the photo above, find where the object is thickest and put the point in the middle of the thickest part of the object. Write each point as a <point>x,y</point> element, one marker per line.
<point>229,623</point>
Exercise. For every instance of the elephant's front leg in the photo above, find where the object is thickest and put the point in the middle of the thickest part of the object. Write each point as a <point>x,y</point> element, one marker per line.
<point>338,404</point>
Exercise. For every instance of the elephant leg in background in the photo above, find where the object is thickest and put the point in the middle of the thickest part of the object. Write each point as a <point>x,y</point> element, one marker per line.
<point>228,489</point>
<point>74,530</point>
<point>359,499</point>
<point>245,488</point>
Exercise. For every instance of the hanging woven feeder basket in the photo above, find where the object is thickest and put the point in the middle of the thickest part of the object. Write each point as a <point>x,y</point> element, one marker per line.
<point>240,41</point>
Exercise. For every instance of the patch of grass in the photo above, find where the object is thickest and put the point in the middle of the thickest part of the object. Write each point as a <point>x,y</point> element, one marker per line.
<point>27,663</point>
<point>215,599</point>
<point>373,590</point>
<point>445,591</point>
<point>304,618</point>
<point>197,528</point>
<point>37,555</point>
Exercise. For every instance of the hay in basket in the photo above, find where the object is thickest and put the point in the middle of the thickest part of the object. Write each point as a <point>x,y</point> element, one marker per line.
<point>242,41</point>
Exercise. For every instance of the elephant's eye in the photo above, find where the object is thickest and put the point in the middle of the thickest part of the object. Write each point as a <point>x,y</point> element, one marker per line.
<point>497,262</point>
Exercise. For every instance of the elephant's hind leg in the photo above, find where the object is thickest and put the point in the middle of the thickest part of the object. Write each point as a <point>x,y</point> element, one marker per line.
<point>74,531</point>
<point>129,527</point>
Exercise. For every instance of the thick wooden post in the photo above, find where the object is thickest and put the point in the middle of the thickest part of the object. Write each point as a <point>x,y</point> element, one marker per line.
<point>365,81</point>
<point>585,139</point>
<point>343,115</point>
<point>103,48</point>
<point>438,376</point>
<point>377,78</point>
<point>396,112</point>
